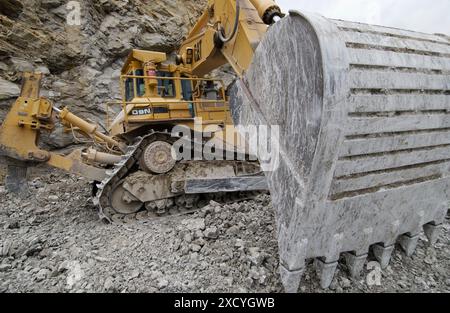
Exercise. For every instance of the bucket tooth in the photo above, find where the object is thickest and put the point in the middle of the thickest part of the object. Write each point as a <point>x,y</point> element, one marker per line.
<point>432,232</point>
<point>325,272</point>
<point>383,254</point>
<point>408,243</point>
<point>291,279</point>
<point>355,264</point>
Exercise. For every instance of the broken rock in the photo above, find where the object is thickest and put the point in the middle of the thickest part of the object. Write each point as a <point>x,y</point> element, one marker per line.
<point>211,232</point>
<point>194,224</point>
<point>5,267</point>
<point>42,274</point>
<point>8,90</point>
<point>162,283</point>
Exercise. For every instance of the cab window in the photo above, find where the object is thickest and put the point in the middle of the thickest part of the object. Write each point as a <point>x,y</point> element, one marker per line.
<point>129,88</point>
<point>166,87</point>
<point>186,90</point>
<point>186,86</point>
<point>140,83</point>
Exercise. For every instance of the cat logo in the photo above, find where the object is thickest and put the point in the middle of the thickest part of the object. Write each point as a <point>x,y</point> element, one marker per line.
<point>142,111</point>
<point>198,51</point>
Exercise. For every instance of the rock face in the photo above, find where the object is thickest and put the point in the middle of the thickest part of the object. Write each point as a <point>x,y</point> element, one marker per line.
<point>9,90</point>
<point>81,45</point>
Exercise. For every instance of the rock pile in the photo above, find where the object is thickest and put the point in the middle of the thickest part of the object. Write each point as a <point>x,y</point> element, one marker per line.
<point>54,242</point>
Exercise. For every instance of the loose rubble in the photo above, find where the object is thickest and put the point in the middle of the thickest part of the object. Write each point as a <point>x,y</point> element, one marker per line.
<point>53,241</point>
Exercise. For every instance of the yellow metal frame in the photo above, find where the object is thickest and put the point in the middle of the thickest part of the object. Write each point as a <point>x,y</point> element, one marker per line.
<point>169,101</point>
<point>20,131</point>
<point>239,51</point>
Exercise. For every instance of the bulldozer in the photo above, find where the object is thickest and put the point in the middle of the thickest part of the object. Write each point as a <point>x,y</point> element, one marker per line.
<point>364,144</point>
<point>135,167</point>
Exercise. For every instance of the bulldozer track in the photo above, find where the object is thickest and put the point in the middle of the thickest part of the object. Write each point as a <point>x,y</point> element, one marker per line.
<point>122,169</point>
<point>114,175</point>
<point>146,216</point>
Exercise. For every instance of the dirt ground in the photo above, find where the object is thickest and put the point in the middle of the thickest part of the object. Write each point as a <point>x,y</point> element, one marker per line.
<point>53,241</point>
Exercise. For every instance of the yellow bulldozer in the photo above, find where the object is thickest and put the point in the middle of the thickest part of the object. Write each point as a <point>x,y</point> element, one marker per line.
<point>364,132</point>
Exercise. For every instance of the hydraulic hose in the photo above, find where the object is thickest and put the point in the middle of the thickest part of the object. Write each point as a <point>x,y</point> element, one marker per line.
<point>235,28</point>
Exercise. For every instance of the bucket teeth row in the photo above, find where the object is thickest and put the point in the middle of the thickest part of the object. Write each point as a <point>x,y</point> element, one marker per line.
<point>355,262</point>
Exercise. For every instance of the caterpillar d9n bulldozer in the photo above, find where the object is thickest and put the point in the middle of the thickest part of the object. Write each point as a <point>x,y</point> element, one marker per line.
<point>363,114</point>
<point>167,145</point>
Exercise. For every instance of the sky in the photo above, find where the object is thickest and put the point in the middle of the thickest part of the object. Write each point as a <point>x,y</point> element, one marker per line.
<point>420,15</point>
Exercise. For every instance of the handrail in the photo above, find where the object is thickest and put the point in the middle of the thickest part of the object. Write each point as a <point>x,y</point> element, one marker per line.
<point>125,103</point>
<point>171,102</point>
<point>156,103</point>
<point>174,78</point>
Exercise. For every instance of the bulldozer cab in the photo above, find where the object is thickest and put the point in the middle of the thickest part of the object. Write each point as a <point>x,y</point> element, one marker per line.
<point>157,92</point>
<point>136,87</point>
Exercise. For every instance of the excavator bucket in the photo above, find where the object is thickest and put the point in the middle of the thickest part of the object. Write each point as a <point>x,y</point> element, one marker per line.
<point>364,145</point>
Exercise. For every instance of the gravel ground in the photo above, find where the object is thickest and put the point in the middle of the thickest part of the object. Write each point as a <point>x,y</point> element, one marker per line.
<point>54,242</point>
